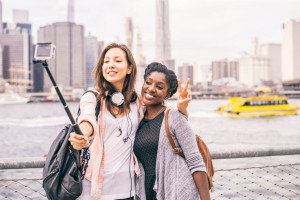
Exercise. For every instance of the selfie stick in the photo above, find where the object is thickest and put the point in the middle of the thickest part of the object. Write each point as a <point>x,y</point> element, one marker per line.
<point>62,100</point>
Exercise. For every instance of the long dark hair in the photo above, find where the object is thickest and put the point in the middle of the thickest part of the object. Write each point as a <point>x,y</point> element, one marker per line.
<point>103,86</point>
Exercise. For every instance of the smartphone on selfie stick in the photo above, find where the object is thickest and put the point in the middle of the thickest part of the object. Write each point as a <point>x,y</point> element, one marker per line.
<point>44,52</point>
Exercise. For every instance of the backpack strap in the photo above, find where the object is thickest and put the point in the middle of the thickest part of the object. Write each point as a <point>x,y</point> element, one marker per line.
<point>97,108</point>
<point>175,149</point>
<point>85,154</point>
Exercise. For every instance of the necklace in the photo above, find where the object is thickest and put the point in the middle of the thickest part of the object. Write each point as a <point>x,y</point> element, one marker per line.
<point>119,126</point>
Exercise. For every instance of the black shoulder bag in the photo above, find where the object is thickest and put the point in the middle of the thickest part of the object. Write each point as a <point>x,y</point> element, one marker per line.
<point>63,173</point>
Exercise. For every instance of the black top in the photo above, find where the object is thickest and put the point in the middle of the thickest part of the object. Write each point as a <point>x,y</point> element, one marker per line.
<point>145,148</point>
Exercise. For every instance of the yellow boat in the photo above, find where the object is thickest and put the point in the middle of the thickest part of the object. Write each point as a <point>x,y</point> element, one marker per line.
<point>263,105</point>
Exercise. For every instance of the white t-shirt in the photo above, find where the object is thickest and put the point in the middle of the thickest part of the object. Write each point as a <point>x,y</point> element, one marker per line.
<point>118,175</point>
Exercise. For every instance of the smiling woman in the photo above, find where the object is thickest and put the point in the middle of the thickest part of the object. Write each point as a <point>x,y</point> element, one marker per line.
<point>153,149</point>
<point>115,72</point>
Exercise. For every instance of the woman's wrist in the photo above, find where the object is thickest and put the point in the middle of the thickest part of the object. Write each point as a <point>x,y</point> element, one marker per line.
<point>184,112</point>
<point>86,128</point>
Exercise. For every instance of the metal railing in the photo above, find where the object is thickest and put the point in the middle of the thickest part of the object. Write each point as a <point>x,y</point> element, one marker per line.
<point>280,181</point>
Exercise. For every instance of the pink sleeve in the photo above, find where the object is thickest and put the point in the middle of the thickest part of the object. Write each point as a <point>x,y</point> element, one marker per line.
<point>136,166</point>
<point>87,109</point>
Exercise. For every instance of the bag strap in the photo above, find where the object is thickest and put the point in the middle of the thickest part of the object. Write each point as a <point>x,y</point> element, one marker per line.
<point>97,108</point>
<point>86,155</point>
<point>175,149</point>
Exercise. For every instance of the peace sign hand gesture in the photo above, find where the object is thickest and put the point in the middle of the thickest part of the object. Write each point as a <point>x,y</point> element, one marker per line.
<point>184,97</point>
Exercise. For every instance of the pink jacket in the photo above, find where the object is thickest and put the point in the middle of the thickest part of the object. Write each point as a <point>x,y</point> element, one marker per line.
<point>95,167</point>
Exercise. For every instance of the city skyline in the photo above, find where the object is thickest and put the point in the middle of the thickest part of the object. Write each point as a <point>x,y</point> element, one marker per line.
<point>200,31</point>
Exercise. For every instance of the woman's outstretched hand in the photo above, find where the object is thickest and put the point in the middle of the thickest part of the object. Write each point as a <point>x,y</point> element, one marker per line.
<point>81,141</point>
<point>78,141</point>
<point>184,97</point>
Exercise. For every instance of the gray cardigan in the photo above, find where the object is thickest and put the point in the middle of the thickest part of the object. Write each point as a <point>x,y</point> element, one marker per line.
<point>174,179</point>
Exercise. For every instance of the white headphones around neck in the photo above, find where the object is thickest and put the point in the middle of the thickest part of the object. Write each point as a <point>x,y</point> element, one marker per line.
<point>117,98</point>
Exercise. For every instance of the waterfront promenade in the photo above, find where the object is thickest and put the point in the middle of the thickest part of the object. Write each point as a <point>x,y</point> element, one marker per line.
<point>273,181</point>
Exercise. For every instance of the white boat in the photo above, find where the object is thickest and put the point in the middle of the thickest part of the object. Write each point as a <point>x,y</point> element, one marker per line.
<point>12,98</point>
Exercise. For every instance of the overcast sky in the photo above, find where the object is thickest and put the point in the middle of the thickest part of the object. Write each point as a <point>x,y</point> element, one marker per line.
<point>201,30</point>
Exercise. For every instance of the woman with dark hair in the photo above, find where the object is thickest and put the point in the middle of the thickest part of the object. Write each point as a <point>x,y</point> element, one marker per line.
<point>164,174</point>
<point>110,170</point>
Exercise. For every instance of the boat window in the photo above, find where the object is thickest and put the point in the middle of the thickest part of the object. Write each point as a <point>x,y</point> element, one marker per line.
<point>285,102</point>
<point>247,103</point>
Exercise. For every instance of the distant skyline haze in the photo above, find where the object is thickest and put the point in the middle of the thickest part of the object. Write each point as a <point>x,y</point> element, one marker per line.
<point>200,31</point>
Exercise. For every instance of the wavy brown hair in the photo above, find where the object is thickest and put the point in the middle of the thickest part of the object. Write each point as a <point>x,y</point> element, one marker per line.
<point>103,86</point>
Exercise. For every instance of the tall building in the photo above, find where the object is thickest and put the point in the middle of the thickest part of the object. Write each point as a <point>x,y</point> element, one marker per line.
<point>170,64</point>
<point>70,17</point>
<point>163,44</point>
<point>129,32</point>
<point>225,68</point>
<point>68,67</point>
<point>16,45</point>
<point>138,48</point>
<point>100,47</point>
<point>253,48</point>
<point>91,58</point>
<point>273,52</point>
<point>20,16</point>
<point>202,75</point>
<point>15,55</point>
<point>253,67</point>
<point>198,74</point>
<point>291,50</point>
<point>139,57</point>
<point>186,71</point>
<point>38,77</point>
